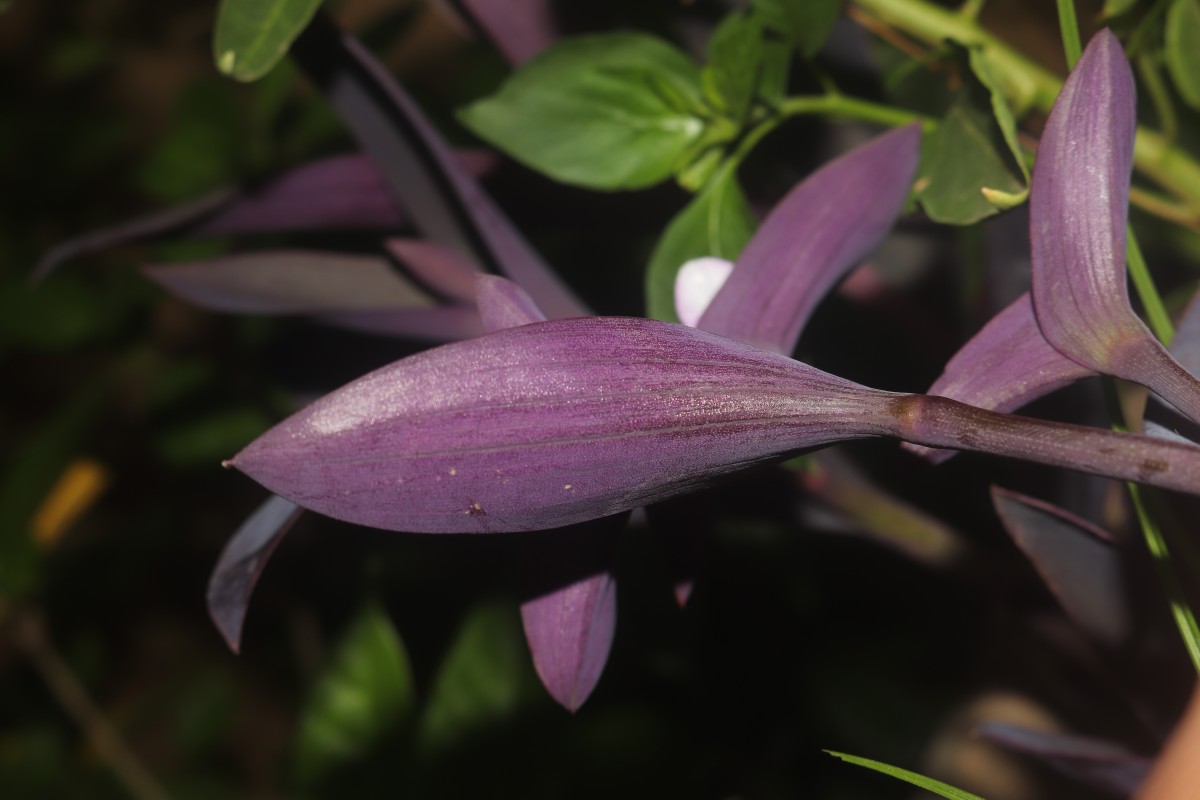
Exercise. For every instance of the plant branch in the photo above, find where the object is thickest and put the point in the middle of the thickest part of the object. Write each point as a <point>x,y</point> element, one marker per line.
<point>29,634</point>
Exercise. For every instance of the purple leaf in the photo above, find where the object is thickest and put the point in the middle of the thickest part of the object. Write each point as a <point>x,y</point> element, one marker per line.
<point>1076,560</point>
<point>1004,366</point>
<point>242,562</point>
<point>343,192</point>
<point>1102,765</point>
<point>1078,205</point>
<point>436,266</point>
<point>570,628</point>
<point>520,29</point>
<point>553,423</point>
<point>818,233</point>
<point>291,282</point>
<point>444,201</point>
<point>503,304</point>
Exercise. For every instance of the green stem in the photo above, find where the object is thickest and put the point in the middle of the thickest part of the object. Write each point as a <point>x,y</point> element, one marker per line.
<point>1031,87</point>
<point>838,105</point>
<point>1143,284</point>
<point>1070,31</point>
<point>1185,620</point>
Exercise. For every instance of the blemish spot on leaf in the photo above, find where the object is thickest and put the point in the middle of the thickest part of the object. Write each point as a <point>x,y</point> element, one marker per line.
<point>226,61</point>
<point>475,510</point>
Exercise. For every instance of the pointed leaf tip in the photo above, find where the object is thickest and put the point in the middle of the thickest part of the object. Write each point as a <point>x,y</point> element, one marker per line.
<point>504,304</point>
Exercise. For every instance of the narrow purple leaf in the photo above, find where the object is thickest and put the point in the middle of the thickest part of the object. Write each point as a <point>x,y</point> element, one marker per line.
<point>1004,366</point>
<point>570,628</point>
<point>436,266</point>
<point>445,202</point>
<point>818,233</point>
<point>343,192</point>
<point>242,563</point>
<point>520,29</point>
<point>153,225</point>
<point>291,282</point>
<point>1185,347</point>
<point>503,304</point>
<point>1076,560</point>
<point>553,423</point>
<point>1102,765</point>
<point>1079,201</point>
<point>696,284</point>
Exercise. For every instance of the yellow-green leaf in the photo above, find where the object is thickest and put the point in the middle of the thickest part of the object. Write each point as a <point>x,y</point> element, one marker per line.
<point>253,35</point>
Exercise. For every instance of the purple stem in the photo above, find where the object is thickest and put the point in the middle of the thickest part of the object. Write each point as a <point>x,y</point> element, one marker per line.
<point>941,422</point>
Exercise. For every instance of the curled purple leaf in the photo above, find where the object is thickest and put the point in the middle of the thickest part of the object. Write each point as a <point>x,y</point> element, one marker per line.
<point>1076,560</point>
<point>1102,765</point>
<point>242,563</point>
<point>553,423</point>
<point>503,304</point>
<point>821,230</point>
<point>1004,366</point>
<point>1078,205</point>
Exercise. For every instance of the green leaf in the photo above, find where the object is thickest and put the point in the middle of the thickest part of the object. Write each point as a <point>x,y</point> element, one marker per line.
<point>717,222</point>
<point>484,678</point>
<point>805,22</point>
<point>735,63</point>
<point>253,35</point>
<point>612,111</point>
<point>929,784</point>
<point>973,149</point>
<point>365,692</point>
<point>1115,8</point>
<point>1183,49</point>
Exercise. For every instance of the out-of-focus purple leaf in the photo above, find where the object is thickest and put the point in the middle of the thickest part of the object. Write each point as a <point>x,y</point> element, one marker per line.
<point>1004,366</point>
<point>1102,765</point>
<point>291,282</point>
<point>697,284</point>
<point>242,562</point>
<point>570,628</point>
<point>876,514</point>
<point>436,266</point>
<point>439,324</point>
<point>1078,207</point>
<point>503,304</point>
<point>553,423</point>
<point>444,201</point>
<point>520,29</point>
<point>1077,561</point>
<point>343,192</point>
<point>821,230</point>
<point>157,224</point>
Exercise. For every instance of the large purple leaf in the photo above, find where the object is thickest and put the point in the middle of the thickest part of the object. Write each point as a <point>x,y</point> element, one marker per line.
<point>444,201</point>
<point>553,423</point>
<point>1104,766</point>
<point>242,562</point>
<point>1004,366</point>
<point>520,29</point>
<point>818,233</point>
<point>437,267</point>
<point>1079,200</point>
<point>1077,561</point>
